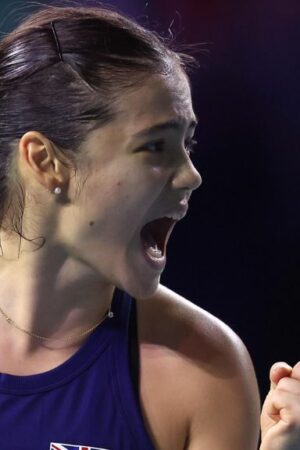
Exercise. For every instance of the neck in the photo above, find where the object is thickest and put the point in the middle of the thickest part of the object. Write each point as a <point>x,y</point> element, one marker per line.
<point>53,295</point>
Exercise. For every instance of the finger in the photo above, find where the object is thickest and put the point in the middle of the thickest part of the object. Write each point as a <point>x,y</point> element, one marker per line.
<point>289,385</point>
<point>296,371</point>
<point>279,370</point>
<point>283,436</point>
<point>285,397</point>
<point>281,395</point>
<point>287,404</point>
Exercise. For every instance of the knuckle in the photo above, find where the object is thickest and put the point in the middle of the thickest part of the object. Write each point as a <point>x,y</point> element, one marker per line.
<point>293,424</point>
<point>283,384</point>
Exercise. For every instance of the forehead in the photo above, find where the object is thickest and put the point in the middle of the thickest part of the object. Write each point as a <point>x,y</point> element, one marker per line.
<point>158,99</point>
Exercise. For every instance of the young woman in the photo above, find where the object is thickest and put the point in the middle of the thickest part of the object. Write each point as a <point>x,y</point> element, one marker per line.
<point>96,130</point>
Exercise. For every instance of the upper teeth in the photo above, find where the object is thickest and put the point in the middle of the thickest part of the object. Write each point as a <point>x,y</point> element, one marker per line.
<point>174,216</point>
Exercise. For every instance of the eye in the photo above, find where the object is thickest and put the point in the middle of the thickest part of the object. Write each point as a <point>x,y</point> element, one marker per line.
<point>159,146</point>
<point>155,146</point>
<point>190,144</point>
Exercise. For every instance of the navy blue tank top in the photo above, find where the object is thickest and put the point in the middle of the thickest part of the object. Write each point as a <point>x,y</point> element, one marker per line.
<point>89,402</point>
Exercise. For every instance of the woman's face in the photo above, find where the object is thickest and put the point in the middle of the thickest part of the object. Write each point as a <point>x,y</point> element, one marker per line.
<point>133,177</point>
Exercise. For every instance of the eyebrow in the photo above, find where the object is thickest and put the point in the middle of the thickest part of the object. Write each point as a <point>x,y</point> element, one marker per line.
<point>170,125</point>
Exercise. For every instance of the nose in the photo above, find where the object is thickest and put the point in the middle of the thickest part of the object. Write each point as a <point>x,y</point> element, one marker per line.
<point>187,176</point>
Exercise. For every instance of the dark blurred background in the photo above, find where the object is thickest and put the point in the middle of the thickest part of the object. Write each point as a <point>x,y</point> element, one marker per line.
<point>236,254</point>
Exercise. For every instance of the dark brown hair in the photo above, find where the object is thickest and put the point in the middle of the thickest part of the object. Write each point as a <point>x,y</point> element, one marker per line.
<point>103,53</point>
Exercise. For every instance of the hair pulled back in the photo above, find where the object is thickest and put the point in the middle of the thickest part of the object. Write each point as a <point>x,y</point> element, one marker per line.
<point>103,53</point>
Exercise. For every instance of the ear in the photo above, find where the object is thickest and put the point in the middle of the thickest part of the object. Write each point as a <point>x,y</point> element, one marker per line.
<point>39,160</point>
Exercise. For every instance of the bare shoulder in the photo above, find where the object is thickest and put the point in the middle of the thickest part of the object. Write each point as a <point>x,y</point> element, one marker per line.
<point>188,351</point>
<point>172,321</point>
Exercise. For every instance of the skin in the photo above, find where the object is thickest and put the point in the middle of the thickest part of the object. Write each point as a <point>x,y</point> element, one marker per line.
<point>280,418</point>
<point>93,242</point>
<point>197,389</point>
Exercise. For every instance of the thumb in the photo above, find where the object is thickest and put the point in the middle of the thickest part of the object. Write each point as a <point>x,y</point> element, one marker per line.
<point>269,412</point>
<point>278,371</point>
<point>296,371</point>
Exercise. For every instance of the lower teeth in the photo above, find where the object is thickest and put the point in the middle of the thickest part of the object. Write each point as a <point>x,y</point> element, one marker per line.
<point>155,251</point>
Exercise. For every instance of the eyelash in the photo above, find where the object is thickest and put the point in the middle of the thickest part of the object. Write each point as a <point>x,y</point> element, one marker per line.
<point>190,146</point>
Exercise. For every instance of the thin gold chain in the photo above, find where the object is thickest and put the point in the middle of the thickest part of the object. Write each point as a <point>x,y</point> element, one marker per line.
<point>109,314</point>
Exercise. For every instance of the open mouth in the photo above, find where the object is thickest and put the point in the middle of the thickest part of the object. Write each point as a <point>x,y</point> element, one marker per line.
<point>155,235</point>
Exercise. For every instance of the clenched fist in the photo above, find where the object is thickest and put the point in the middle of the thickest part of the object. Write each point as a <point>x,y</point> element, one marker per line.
<point>280,417</point>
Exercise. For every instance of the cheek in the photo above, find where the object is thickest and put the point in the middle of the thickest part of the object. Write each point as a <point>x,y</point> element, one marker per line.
<point>159,178</point>
<point>139,184</point>
<point>123,196</point>
<point>157,171</point>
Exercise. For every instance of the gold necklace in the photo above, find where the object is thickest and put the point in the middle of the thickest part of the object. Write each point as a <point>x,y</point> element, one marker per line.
<point>108,314</point>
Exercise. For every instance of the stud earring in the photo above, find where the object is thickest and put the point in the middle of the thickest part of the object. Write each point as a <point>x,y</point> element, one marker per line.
<point>57,190</point>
